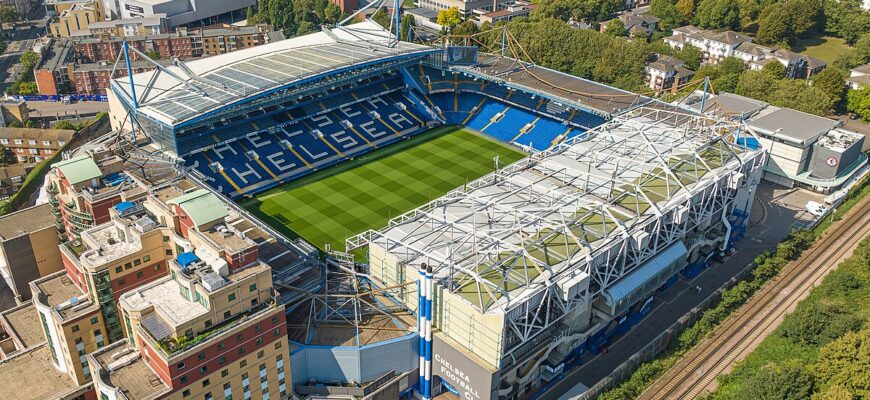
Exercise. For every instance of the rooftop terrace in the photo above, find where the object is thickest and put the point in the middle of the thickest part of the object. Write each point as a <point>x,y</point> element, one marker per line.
<point>60,293</point>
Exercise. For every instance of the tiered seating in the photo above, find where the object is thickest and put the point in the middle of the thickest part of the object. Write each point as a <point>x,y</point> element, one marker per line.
<point>319,132</point>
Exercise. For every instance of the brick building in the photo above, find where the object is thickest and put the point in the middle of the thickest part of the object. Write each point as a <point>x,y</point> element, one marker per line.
<point>32,145</point>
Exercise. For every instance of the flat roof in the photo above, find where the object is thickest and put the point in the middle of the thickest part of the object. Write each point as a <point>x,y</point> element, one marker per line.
<point>231,77</point>
<point>499,238</point>
<point>589,94</point>
<point>165,295</point>
<point>796,125</point>
<point>58,289</point>
<point>25,324</point>
<point>26,221</point>
<point>31,375</point>
<point>130,373</point>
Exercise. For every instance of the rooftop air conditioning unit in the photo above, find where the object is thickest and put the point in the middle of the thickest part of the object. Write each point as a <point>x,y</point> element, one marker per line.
<point>640,240</point>
<point>735,180</point>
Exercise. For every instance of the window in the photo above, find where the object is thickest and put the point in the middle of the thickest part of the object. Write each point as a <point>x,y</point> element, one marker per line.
<point>180,366</point>
<point>240,337</point>
<point>222,359</point>
<point>31,142</point>
<point>200,356</point>
<point>122,281</point>
<point>207,395</point>
<point>140,274</point>
<point>205,382</point>
<point>231,297</point>
<point>75,328</point>
<point>243,364</point>
<point>275,319</point>
<point>224,374</point>
<point>227,314</point>
<point>165,239</point>
<point>220,346</point>
<point>46,143</point>
<point>168,252</point>
<point>185,393</point>
<point>94,320</point>
<point>137,262</point>
<point>18,141</point>
<point>277,345</point>
<point>4,141</point>
<point>128,266</point>
<point>253,302</point>
<point>208,323</point>
<point>157,267</point>
<point>260,353</point>
<point>146,258</point>
<point>60,142</point>
<point>242,350</point>
<point>252,288</point>
<point>119,269</point>
<point>277,332</point>
<point>259,340</point>
<point>183,379</point>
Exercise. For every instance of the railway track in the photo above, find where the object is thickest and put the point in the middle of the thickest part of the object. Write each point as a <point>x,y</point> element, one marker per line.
<point>738,335</point>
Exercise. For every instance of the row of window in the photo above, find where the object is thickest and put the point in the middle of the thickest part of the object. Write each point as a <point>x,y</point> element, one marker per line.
<point>246,382</point>
<point>31,142</point>
<point>135,263</point>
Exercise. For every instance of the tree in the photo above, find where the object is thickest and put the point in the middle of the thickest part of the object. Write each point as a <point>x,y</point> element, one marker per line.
<point>718,14</point>
<point>250,15</point>
<point>804,15</point>
<point>686,8</point>
<point>749,10</point>
<point>818,324</point>
<point>845,362</point>
<point>832,81</point>
<point>28,88</point>
<point>381,18</point>
<point>28,60</point>
<point>465,28</point>
<point>858,102</point>
<point>4,156</point>
<point>775,25</point>
<point>616,28</point>
<point>797,94</point>
<point>756,84</point>
<point>778,382</point>
<point>586,10</point>
<point>846,19</point>
<point>666,11</point>
<point>449,18</point>
<point>9,14</point>
<point>774,68</point>
<point>691,56</point>
<point>407,23</point>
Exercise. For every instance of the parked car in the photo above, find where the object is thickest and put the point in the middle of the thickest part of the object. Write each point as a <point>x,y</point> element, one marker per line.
<point>814,208</point>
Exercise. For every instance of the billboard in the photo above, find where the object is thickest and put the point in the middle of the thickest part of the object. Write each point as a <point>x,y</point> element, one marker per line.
<point>461,55</point>
<point>466,378</point>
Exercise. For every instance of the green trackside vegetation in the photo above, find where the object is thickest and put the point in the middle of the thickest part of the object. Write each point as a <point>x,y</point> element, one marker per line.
<point>339,202</point>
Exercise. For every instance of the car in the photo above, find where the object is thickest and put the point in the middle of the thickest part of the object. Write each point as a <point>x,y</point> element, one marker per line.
<point>814,208</point>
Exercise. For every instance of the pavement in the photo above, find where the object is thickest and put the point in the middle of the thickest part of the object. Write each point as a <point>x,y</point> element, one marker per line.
<point>40,109</point>
<point>775,211</point>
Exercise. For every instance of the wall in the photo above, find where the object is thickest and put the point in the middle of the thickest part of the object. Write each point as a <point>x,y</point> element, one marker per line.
<point>355,364</point>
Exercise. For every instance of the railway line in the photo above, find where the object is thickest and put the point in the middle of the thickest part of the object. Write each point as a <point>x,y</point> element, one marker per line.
<point>738,335</point>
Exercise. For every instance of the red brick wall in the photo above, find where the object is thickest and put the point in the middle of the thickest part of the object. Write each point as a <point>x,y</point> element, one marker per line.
<point>131,281</point>
<point>74,273</point>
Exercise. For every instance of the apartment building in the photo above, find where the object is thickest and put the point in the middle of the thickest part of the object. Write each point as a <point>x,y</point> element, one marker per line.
<point>211,329</point>
<point>635,22</point>
<point>28,248</point>
<point>33,145</point>
<point>51,73</point>
<point>76,18</point>
<point>663,73</point>
<point>715,46</point>
<point>82,189</point>
<point>94,78</point>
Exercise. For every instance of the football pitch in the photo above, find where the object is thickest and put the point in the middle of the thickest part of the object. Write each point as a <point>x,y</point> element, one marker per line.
<point>344,200</point>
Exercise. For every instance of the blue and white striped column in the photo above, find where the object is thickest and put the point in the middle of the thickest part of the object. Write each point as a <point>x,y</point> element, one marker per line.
<point>421,330</point>
<point>428,337</point>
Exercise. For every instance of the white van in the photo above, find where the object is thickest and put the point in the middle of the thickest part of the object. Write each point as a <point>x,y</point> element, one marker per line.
<point>814,208</point>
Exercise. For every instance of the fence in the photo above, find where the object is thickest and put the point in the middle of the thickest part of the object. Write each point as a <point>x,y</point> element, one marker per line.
<point>661,342</point>
<point>59,97</point>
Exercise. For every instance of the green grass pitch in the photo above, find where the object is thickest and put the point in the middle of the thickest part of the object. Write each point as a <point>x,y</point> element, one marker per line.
<point>336,203</point>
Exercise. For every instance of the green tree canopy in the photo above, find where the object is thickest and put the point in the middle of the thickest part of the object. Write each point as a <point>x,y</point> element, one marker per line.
<point>666,11</point>
<point>449,18</point>
<point>778,382</point>
<point>831,81</point>
<point>717,14</point>
<point>616,28</point>
<point>28,60</point>
<point>858,102</point>
<point>775,25</point>
<point>8,14</point>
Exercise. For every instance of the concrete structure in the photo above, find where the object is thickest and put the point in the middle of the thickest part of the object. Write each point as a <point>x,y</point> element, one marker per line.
<point>32,145</point>
<point>183,12</point>
<point>28,248</point>
<point>666,73</point>
<point>76,18</point>
<point>804,150</point>
<point>859,76</point>
<point>466,8</point>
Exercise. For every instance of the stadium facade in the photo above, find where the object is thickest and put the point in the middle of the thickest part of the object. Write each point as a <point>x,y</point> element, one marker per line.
<point>533,264</point>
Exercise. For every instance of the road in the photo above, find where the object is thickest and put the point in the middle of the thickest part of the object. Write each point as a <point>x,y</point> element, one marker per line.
<point>741,333</point>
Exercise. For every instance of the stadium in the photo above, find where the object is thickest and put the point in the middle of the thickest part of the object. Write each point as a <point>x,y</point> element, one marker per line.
<point>550,209</point>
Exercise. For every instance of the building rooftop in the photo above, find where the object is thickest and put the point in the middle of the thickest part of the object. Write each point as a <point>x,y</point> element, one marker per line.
<point>236,76</point>
<point>56,56</point>
<point>30,375</point>
<point>60,293</point>
<point>586,94</point>
<point>864,69</point>
<point>78,169</point>
<point>25,324</point>
<point>165,296</point>
<point>202,206</point>
<point>53,136</point>
<point>28,220</point>
<point>793,125</point>
<point>122,367</point>
<point>104,243</point>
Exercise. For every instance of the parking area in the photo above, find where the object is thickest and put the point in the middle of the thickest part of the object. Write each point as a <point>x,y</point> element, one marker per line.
<point>775,212</point>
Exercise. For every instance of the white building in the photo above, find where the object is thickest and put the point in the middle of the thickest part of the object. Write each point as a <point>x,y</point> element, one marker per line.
<point>714,45</point>
<point>179,12</point>
<point>859,76</point>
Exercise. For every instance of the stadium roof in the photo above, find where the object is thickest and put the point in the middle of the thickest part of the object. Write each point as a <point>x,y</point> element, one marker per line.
<point>508,235</point>
<point>227,78</point>
<point>572,90</point>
